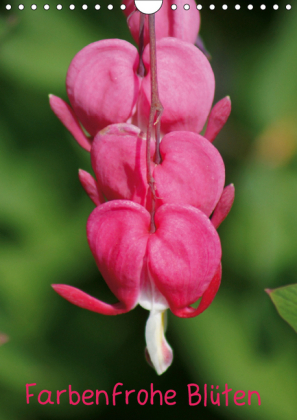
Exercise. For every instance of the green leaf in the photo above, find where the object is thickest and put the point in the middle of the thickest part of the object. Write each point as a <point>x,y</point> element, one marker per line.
<point>285,301</point>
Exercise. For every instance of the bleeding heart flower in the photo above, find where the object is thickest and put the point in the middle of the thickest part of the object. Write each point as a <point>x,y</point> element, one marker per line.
<point>191,172</point>
<point>186,87</point>
<point>170,268</point>
<point>103,88</point>
<point>179,23</point>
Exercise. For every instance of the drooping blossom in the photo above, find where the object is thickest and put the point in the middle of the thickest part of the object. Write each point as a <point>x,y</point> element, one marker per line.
<point>170,268</point>
<point>103,88</point>
<point>179,23</point>
<point>191,172</point>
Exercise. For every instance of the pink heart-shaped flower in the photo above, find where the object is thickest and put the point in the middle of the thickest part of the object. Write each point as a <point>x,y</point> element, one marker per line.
<point>103,88</point>
<point>191,172</point>
<point>180,259</point>
<point>172,267</point>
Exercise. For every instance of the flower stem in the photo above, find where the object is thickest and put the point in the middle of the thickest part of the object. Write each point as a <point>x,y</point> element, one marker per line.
<point>141,69</point>
<point>154,117</point>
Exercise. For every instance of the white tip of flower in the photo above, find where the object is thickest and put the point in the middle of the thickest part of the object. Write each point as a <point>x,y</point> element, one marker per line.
<point>159,351</point>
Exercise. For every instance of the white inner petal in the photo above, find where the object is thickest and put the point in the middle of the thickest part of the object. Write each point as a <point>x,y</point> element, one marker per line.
<point>160,352</point>
<point>150,298</point>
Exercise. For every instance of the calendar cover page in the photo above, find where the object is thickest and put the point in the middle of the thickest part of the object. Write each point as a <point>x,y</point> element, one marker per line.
<point>148,224</point>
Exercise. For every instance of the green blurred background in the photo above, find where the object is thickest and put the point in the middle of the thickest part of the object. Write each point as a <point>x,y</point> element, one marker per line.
<point>240,339</point>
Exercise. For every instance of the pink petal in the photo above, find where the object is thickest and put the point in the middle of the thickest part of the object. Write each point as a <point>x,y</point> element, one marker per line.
<point>192,172</point>
<point>207,298</point>
<point>179,23</point>
<point>90,186</point>
<point>119,161</point>
<point>224,206</point>
<point>217,118</point>
<point>183,254</point>
<point>102,84</point>
<point>85,301</point>
<point>186,86</point>
<point>117,233</point>
<point>68,118</point>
